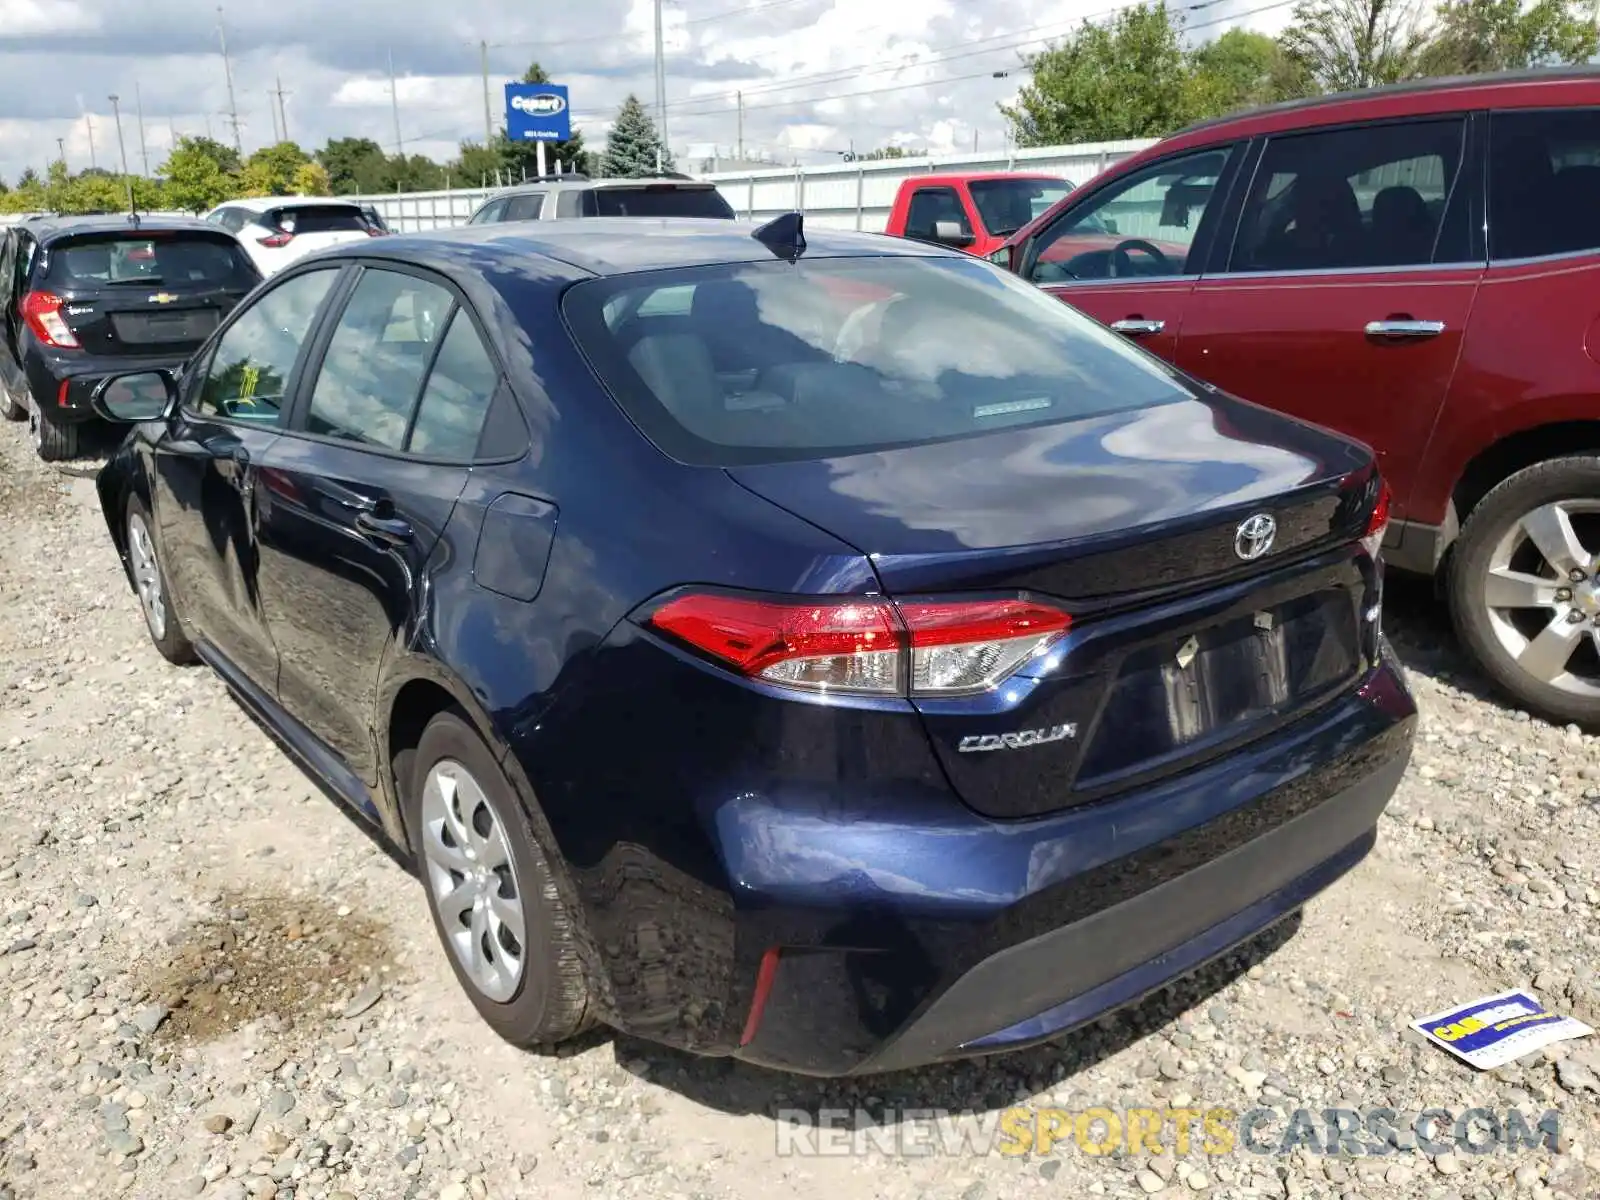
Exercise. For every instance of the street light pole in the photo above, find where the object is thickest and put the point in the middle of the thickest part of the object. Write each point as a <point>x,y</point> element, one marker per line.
<point>394,98</point>
<point>661,93</point>
<point>122,150</point>
<point>144,150</point>
<point>488,121</point>
<point>61,145</point>
<point>227,71</point>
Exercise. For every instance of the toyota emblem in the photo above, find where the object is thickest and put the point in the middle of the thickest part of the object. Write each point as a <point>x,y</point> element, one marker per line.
<point>1254,536</point>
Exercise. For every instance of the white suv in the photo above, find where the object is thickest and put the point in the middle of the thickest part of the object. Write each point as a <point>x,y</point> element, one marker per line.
<point>573,195</point>
<point>276,230</point>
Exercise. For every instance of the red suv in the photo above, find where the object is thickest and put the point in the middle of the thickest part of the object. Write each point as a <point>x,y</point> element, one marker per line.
<point>1417,266</point>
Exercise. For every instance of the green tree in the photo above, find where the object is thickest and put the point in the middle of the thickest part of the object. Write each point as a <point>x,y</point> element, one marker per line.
<point>522,158</point>
<point>1345,45</point>
<point>270,171</point>
<point>1127,78</point>
<point>200,174</point>
<point>633,148</point>
<point>355,165</point>
<point>478,165</point>
<point>311,179</point>
<point>1501,35</point>
<point>1241,69</point>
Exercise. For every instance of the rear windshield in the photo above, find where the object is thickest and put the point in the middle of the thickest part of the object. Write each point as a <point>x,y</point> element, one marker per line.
<point>170,259</point>
<point>766,362</point>
<point>656,200</point>
<point>319,218</point>
<point>1006,205</point>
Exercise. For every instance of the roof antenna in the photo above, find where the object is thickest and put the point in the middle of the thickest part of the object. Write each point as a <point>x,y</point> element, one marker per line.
<point>784,236</point>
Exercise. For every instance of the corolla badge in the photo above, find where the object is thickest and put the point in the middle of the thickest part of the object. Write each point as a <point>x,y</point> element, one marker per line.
<point>1254,537</point>
<point>1019,740</point>
<point>545,104</point>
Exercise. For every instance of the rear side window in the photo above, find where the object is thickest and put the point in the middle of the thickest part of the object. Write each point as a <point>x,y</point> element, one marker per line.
<point>166,260</point>
<point>656,200</point>
<point>460,389</point>
<point>1544,182</point>
<point>318,218</point>
<point>770,361</point>
<point>1375,196</point>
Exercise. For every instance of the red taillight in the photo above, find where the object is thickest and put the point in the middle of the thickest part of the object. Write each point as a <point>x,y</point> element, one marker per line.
<point>276,241</point>
<point>42,312</point>
<point>374,231</point>
<point>865,644</point>
<point>1378,523</point>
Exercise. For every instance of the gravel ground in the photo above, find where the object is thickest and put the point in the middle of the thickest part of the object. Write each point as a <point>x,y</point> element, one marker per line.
<point>214,986</point>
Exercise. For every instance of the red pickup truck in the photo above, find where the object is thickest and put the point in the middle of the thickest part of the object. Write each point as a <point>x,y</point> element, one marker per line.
<point>974,212</point>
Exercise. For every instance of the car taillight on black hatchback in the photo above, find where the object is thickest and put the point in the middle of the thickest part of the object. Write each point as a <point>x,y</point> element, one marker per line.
<point>864,645</point>
<point>42,312</point>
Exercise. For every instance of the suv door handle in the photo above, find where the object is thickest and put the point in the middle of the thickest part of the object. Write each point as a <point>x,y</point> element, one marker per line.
<point>393,530</point>
<point>1138,326</point>
<point>1404,328</point>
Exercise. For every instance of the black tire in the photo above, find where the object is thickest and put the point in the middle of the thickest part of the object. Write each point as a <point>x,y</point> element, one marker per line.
<point>1573,478</point>
<point>11,408</point>
<point>56,441</point>
<point>551,1002</point>
<point>168,634</point>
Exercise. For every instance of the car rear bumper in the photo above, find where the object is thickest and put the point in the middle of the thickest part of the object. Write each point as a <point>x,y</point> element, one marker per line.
<point>63,383</point>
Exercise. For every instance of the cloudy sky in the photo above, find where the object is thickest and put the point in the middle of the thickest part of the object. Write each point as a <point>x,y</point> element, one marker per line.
<point>818,76</point>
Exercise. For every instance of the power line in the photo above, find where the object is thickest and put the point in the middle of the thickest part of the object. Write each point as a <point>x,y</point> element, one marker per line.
<point>727,14</point>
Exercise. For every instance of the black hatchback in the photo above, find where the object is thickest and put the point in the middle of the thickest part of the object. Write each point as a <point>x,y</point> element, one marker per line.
<point>88,296</point>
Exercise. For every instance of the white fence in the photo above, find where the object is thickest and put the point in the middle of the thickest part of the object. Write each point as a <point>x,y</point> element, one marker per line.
<point>842,195</point>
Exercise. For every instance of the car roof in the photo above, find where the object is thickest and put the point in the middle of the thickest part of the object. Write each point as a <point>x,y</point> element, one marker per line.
<point>618,245</point>
<point>545,185</point>
<point>51,227</point>
<point>1539,87</point>
<point>267,203</point>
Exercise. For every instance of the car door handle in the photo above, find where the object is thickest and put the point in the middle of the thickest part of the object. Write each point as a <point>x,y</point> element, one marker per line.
<point>394,530</point>
<point>1138,326</point>
<point>1404,328</point>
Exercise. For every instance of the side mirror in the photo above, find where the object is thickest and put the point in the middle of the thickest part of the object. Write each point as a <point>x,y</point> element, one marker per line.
<point>135,396</point>
<point>1110,225</point>
<point>950,233</point>
<point>1001,257</point>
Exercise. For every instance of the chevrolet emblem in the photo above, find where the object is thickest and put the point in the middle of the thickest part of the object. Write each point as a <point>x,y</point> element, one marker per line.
<point>162,298</point>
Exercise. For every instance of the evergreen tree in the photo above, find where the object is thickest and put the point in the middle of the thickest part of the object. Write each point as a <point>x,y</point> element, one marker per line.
<point>634,145</point>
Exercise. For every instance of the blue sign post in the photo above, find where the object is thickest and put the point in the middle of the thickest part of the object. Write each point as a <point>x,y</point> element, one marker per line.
<point>537,112</point>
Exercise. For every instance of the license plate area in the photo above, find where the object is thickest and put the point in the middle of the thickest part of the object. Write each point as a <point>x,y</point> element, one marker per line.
<point>1218,683</point>
<point>163,328</point>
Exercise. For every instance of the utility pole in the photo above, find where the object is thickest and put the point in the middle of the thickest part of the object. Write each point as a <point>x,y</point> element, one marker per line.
<point>227,71</point>
<point>661,91</point>
<point>88,121</point>
<point>488,121</point>
<point>144,150</point>
<point>272,111</point>
<point>283,113</point>
<point>394,98</point>
<point>122,150</point>
<point>740,95</point>
<point>61,145</point>
<point>172,128</point>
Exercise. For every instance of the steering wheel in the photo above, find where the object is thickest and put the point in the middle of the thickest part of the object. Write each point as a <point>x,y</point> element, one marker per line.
<point>1122,257</point>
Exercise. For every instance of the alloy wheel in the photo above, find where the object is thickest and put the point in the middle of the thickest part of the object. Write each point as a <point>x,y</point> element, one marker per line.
<point>147,575</point>
<point>1542,595</point>
<point>473,880</point>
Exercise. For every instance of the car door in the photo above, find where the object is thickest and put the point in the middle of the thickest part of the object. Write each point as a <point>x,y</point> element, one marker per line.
<point>356,495</point>
<point>1348,286</point>
<point>1129,251</point>
<point>232,407</point>
<point>8,309</point>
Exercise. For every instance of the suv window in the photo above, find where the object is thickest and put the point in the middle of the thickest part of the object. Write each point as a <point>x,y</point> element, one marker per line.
<point>372,372</point>
<point>1144,225</point>
<point>928,207</point>
<point>249,373</point>
<point>1365,197</point>
<point>656,200</point>
<point>525,207</point>
<point>1544,182</point>
<point>460,389</point>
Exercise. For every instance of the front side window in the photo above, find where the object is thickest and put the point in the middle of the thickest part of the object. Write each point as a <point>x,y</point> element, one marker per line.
<point>489,213</point>
<point>250,372</point>
<point>1143,226</point>
<point>931,205</point>
<point>380,350</point>
<point>1006,205</point>
<point>775,361</point>
<point>1544,182</point>
<point>526,207</point>
<point>1374,196</point>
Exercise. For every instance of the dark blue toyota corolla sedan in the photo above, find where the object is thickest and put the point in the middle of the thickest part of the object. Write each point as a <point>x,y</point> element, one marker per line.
<point>835,654</point>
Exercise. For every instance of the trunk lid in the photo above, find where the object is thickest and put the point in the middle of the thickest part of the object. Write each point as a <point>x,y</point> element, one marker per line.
<point>145,292</point>
<point>1180,647</point>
